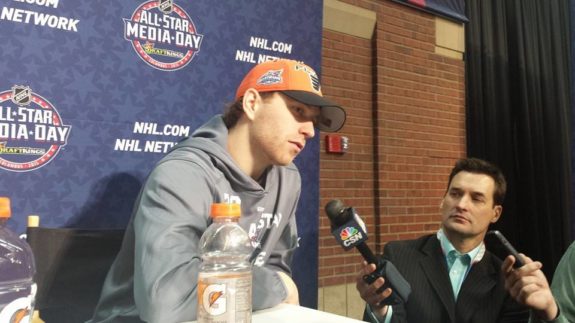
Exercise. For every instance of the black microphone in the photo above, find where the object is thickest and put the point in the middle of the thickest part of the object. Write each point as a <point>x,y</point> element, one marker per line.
<point>349,230</point>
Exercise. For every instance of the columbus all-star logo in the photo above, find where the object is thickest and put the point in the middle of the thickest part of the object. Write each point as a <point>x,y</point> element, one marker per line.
<point>271,77</point>
<point>163,35</point>
<point>31,130</point>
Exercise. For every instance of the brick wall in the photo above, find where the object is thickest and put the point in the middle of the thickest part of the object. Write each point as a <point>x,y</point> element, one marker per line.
<point>406,128</point>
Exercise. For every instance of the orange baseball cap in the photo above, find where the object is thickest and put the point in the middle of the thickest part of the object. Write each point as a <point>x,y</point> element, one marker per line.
<point>299,82</point>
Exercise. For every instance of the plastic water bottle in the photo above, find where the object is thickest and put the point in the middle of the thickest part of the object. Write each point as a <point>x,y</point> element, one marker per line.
<point>17,268</point>
<point>225,278</point>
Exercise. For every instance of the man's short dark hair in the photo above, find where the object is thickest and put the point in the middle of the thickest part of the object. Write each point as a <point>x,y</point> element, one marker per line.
<point>234,111</point>
<point>479,166</point>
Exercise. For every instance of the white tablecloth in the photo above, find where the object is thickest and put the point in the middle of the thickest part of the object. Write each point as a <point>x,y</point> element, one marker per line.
<point>285,313</point>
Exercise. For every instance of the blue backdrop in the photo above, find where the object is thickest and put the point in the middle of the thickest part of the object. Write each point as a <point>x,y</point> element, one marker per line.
<point>94,92</point>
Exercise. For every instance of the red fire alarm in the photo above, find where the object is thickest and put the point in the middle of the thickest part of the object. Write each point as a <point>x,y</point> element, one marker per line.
<point>336,144</point>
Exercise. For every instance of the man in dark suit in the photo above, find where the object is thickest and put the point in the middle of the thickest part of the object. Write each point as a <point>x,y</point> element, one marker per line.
<point>453,278</point>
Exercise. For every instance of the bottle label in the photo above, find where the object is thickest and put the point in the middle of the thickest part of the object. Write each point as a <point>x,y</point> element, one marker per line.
<point>225,297</point>
<point>20,309</point>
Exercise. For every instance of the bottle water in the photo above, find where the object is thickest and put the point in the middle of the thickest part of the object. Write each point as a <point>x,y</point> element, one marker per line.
<point>225,278</point>
<point>17,268</point>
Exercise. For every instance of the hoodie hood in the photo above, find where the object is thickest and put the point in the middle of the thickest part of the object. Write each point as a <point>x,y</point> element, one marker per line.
<point>211,139</point>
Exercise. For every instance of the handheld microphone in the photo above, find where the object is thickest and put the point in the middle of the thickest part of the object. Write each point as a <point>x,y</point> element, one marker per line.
<point>349,230</point>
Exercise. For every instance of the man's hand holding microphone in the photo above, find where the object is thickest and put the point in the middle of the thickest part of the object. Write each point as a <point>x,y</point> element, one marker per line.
<point>379,282</point>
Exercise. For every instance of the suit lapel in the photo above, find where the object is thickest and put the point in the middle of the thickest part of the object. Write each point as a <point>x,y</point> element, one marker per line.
<point>435,269</point>
<point>479,282</point>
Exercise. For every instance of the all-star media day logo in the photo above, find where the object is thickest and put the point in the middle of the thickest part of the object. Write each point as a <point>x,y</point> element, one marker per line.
<point>31,130</point>
<point>163,35</point>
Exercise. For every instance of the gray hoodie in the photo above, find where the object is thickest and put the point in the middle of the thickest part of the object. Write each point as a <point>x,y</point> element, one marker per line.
<point>154,276</point>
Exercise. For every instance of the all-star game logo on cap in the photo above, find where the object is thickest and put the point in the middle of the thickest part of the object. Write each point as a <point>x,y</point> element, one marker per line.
<point>271,77</point>
<point>31,130</point>
<point>298,81</point>
<point>163,35</point>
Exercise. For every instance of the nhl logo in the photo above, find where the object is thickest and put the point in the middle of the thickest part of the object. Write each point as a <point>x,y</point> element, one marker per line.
<point>21,95</point>
<point>166,6</point>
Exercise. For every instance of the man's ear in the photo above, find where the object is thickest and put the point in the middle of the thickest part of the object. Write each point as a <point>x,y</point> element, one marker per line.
<point>498,209</point>
<point>251,102</point>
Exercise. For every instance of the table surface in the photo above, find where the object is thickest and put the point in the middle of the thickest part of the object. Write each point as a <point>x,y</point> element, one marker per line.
<point>286,313</point>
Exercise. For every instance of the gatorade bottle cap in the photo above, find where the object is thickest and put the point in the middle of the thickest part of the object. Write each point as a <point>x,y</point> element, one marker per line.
<point>225,209</point>
<point>5,211</point>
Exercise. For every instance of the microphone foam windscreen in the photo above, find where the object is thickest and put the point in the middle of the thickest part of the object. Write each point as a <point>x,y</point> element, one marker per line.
<point>334,210</point>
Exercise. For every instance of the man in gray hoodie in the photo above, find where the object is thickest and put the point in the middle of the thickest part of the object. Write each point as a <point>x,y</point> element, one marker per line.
<point>242,156</point>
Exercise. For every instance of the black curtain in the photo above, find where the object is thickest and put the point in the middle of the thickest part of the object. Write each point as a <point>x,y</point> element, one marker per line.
<point>519,116</point>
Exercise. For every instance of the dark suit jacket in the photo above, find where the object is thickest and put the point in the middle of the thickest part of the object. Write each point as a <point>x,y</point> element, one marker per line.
<point>482,297</point>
